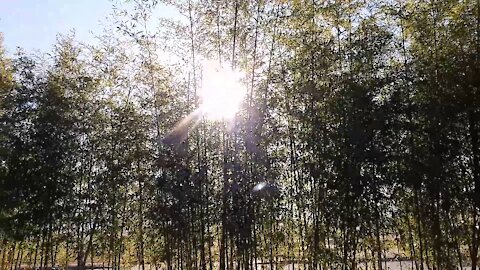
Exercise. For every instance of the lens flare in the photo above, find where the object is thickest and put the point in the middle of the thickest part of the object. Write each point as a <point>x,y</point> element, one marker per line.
<point>222,91</point>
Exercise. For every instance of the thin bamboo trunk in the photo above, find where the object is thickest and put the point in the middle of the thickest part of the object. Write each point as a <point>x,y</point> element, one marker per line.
<point>4,251</point>
<point>475,239</point>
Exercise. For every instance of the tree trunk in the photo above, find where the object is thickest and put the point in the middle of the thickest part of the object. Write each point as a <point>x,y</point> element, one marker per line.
<point>4,251</point>
<point>476,196</point>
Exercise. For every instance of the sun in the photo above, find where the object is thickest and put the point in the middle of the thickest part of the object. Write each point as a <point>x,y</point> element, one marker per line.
<point>222,91</point>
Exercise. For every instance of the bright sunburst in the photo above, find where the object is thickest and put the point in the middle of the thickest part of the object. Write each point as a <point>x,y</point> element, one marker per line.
<point>222,91</point>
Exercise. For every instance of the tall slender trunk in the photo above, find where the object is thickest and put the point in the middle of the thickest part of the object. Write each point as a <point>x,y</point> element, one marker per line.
<point>223,236</point>
<point>11,258</point>
<point>419,227</point>
<point>141,251</point>
<point>37,245</point>
<point>67,255</point>
<point>42,250</point>
<point>19,255</point>
<point>472,118</point>
<point>4,251</point>
<point>413,255</point>
<point>378,241</point>
<point>255,237</point>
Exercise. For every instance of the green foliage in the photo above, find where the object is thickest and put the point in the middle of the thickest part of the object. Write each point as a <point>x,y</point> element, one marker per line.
<point>364,116</point>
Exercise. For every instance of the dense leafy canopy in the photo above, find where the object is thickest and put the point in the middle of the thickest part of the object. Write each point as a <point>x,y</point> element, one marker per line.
<point>356,146</point>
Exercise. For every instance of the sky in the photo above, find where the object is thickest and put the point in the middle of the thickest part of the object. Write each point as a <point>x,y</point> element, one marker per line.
<point>34,24</point>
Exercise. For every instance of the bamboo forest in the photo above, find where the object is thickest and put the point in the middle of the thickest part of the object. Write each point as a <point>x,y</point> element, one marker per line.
<point>246,135</point>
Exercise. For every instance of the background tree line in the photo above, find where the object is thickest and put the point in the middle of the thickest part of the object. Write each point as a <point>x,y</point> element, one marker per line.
<point>363,114</point>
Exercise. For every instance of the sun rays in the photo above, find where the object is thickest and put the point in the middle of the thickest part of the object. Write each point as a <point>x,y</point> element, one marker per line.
<point>222,91</point>
<point>221,96</point>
